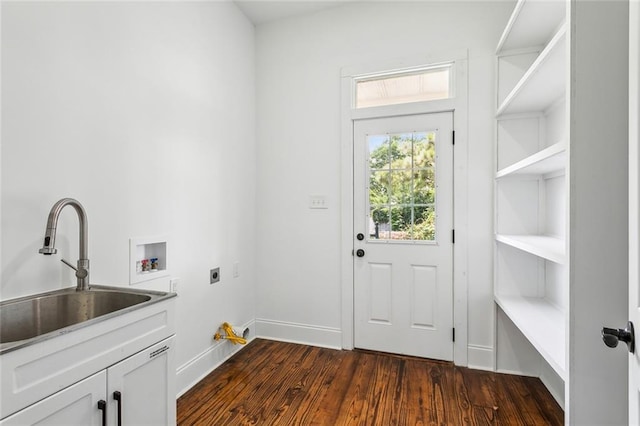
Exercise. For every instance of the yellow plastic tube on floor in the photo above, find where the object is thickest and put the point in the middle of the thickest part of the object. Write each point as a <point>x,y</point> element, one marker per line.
<point>229,334</point>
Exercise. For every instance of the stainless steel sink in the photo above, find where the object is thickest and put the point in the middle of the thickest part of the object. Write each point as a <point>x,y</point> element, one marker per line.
<point>57,312</point>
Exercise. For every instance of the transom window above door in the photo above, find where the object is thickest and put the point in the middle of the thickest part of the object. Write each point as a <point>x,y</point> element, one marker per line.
<point>425,84</point>
<point>402,186</point>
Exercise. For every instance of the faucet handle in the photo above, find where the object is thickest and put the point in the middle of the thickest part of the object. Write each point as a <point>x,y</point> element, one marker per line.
<point>69,264</point>
<point>80,273</point>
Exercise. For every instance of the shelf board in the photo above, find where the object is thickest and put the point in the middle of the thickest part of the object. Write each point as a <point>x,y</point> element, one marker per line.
<point>532,23</point>
<point>548,160</point>
<point>543,246</point>
<point>543,83</point>
<point>542,323</point>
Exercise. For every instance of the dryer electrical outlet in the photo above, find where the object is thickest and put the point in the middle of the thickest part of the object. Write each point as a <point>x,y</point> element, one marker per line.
<point>214,275</point>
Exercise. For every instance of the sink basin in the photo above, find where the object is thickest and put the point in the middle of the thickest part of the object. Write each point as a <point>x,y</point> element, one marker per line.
<point>34,316</point>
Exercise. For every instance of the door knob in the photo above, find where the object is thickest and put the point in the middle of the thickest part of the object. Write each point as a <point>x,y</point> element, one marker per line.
<point>611,336</point>
<point>360,253</point>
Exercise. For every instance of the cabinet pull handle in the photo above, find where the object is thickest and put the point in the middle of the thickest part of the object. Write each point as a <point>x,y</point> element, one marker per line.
<point>118,397</point>
<point>102,406</point>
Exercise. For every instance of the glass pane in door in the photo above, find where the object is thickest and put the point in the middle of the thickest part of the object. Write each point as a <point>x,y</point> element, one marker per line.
<point>402,186</point>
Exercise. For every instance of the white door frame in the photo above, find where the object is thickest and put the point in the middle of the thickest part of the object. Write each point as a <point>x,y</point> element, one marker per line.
<point>457,105</point>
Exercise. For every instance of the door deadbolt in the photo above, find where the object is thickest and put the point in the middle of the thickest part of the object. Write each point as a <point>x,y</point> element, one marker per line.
<point>360,237</point>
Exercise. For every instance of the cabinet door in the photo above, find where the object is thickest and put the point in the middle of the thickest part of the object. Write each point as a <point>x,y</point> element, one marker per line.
<point>141,388</point>
<point>76,405</point>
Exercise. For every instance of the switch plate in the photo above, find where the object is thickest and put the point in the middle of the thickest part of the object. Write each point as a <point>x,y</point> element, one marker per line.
<point>214,275</point>
<point>173,285</point>
<point>318,202</point>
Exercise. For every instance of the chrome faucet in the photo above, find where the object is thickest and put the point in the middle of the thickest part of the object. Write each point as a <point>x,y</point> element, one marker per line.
<point>82,270</point>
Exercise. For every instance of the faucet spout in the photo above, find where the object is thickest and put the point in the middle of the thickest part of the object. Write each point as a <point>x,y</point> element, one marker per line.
<point>48,248</point>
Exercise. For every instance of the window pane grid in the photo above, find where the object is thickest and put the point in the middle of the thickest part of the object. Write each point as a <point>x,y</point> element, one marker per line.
<point>402,186</point>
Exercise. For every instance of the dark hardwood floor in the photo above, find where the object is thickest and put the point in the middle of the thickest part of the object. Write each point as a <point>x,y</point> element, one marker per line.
<point>275,383</point>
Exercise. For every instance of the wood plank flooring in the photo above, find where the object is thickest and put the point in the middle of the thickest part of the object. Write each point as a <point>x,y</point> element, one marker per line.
<point>276,383</point>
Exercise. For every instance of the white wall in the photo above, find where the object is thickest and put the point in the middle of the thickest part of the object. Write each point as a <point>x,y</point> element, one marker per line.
<point>144,112</point>
<point>298,131</point>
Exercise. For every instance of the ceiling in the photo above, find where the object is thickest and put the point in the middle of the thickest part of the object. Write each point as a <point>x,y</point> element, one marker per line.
<point>261,11</point>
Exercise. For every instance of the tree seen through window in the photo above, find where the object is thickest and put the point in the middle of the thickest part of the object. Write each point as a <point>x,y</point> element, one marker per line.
<point>402,188</point>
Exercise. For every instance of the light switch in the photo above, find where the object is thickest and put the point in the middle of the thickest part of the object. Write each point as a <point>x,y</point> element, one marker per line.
<point>173,285</point>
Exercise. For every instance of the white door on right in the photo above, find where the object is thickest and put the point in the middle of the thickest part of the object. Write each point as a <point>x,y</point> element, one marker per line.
<point>403,220</point>
<point>634,204</point>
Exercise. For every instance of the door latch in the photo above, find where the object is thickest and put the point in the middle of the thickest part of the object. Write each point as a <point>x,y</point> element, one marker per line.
<point>611,336</point>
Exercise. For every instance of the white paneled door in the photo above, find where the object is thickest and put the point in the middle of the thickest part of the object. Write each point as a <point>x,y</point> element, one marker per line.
<point>634,205</point>
<point>403,242</point>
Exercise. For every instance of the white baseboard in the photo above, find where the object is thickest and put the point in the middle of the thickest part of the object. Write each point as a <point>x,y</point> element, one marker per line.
<point>515,372</point>
<point>480,357</point>
<point>326,337</point>
<point>191,372</point>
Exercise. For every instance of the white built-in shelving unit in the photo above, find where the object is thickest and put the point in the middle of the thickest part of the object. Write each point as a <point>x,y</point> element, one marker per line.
<point>561,202</point>
<point>531,284</point>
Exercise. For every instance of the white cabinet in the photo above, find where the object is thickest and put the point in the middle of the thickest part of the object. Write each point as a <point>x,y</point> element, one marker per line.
<point>76,405</point>
<point>139,390</point>
<point>134,350</point>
